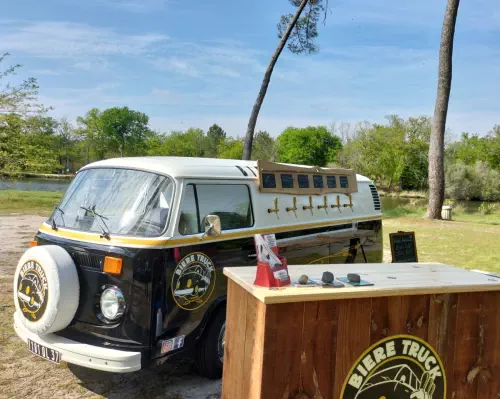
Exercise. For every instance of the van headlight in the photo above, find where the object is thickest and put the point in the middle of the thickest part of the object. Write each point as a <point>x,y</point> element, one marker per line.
<point>112,303</point>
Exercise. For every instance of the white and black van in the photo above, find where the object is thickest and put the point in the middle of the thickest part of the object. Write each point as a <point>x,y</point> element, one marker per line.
<point>128,269</point>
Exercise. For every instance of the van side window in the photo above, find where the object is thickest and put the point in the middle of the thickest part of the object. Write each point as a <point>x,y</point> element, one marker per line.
<point>188,221</point>
<point>231,202</point>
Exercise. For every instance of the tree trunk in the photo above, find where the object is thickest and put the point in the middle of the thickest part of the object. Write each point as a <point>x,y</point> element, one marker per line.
<point>436,148</point>
<point>247,148</point>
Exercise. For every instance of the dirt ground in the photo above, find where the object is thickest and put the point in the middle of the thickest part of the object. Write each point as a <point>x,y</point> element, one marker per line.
<point>24,375</point>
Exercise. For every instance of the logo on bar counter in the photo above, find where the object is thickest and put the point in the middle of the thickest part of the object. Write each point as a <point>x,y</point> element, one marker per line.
<point>32,290</point>
<point>398,367</point>
<point>193,281</point>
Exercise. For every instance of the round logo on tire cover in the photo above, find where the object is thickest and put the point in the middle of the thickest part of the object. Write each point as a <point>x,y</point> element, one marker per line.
<point>398,367</point>
<point>193,281</point>
<point>32,290</point>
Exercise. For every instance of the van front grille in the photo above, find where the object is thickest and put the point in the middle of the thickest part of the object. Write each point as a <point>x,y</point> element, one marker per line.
<point>89,261</point>
<point>376,198</point>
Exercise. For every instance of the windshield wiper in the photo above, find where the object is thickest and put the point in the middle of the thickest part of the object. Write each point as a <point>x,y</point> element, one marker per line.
<point>105,231</point>
<point>54,225</point>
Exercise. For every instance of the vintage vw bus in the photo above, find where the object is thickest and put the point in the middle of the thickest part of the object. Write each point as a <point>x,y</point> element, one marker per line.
<point>128,269</point>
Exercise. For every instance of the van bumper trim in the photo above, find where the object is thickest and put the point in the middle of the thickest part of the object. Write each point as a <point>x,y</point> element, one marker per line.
<point>90,356</point>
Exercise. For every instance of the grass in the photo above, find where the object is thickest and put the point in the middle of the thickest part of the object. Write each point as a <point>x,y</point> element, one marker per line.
<point>28,202</point>
<point>469,241</point>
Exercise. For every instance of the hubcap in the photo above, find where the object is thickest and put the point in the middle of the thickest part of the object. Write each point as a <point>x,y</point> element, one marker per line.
<point>221,343</point>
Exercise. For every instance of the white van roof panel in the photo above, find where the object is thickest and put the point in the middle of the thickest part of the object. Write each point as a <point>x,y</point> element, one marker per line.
<point>183,167</point>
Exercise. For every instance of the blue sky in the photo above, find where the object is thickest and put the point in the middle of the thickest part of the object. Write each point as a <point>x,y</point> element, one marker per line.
<point>198,62</point>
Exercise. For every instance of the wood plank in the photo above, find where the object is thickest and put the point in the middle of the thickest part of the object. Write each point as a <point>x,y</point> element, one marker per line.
<point>379,327</point>
<point>418,316</point>
<point>489,374</point>
<point>253,348</point>
<point>282,351</point>
<point>353,337</point>
<point>319,347</point>
<point>467,356</point>
<point>234,351</point>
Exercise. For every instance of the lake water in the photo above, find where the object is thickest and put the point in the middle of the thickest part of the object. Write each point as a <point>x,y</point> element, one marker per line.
<point>33,184</point>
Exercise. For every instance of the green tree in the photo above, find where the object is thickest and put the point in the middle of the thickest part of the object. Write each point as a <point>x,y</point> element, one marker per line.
<point>264,148</point>
<point>308,146</point>
<point>215,135</point>
<point>20,99</point>
<point>299,32</point>
<point>27,144</point>
<point>230,148</point>
<point>182,144</point>
<point>127,129</point>
<point>91,130</point>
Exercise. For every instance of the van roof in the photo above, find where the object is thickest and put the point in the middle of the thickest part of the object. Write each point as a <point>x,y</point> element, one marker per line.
<point>183,167</point>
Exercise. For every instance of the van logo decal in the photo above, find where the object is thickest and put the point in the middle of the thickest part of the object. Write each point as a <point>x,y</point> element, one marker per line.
<point>399,367</point>
<point>193,281</point>
<point>32,290</point>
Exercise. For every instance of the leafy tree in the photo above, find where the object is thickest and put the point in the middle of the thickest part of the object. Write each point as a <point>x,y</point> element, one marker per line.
<point>215,135</point>
<point>263,147</point>
<point>230,148</point>
<point>127,129</point>
<point>27,144</point>
<point>67,140</point>
<point>436,148</point>
<point>182,144</point>
<point>20,99</point>
<point>92,131</point>
<point>299,32</point>
<point>308,146</point>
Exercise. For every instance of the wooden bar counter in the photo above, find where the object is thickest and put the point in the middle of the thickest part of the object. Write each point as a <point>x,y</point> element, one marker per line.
<point>423,331</point>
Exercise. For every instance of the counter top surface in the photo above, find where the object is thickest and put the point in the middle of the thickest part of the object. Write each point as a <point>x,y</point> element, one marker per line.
<point>389,279</point>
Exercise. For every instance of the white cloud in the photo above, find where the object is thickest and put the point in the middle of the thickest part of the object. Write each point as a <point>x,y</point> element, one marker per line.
<point>80,42</point>
<point>228,59</point>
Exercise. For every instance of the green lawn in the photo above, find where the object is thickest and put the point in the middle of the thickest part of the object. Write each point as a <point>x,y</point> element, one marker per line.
<point>28,202</point>
<point>471,241</point>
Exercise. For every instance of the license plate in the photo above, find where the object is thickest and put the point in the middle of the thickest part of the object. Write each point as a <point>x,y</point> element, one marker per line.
<point>42,351</point>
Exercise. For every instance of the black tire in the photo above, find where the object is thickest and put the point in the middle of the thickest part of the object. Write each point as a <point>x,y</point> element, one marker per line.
<point>207,356</point>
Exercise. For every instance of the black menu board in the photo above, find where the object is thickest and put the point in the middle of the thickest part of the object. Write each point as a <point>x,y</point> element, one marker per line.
<point>403,247</point>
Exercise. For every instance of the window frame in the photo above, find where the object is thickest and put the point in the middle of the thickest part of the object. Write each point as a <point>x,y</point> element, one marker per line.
<point>198,215</point>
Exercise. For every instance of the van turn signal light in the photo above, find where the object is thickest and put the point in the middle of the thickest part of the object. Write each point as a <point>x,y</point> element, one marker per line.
<point>33,243</point>
<point>112,265</point>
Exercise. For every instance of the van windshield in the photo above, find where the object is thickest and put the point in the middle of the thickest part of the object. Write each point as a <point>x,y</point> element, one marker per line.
<point>116,201</point>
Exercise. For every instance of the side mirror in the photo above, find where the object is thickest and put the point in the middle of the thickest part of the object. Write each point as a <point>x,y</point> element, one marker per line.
<point>212,226</point>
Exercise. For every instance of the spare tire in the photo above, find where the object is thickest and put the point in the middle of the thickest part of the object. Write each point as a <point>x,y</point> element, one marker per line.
<point>46,289</point>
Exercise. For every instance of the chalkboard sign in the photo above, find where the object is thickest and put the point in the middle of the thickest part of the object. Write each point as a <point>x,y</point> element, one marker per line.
<point>403,247</point>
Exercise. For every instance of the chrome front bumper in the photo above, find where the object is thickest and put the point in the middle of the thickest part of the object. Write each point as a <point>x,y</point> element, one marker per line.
<point>84,355</point>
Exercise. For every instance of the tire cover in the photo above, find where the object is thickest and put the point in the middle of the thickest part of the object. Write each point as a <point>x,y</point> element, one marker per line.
<point>46,289</point>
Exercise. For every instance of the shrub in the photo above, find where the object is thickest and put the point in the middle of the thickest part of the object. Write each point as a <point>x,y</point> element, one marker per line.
<point>486,209</point>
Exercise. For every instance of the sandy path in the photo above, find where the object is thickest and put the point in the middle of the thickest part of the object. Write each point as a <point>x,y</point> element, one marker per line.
<point>24,375</point>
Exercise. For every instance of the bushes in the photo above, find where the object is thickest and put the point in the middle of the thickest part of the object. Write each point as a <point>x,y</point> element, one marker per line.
<point>478,182</point>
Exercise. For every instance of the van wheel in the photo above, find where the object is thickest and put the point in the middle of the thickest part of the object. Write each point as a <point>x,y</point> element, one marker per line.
<point>210,349</point>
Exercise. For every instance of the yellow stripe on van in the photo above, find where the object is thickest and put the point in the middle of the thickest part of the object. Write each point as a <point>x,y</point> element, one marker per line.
<point>174,242</point>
